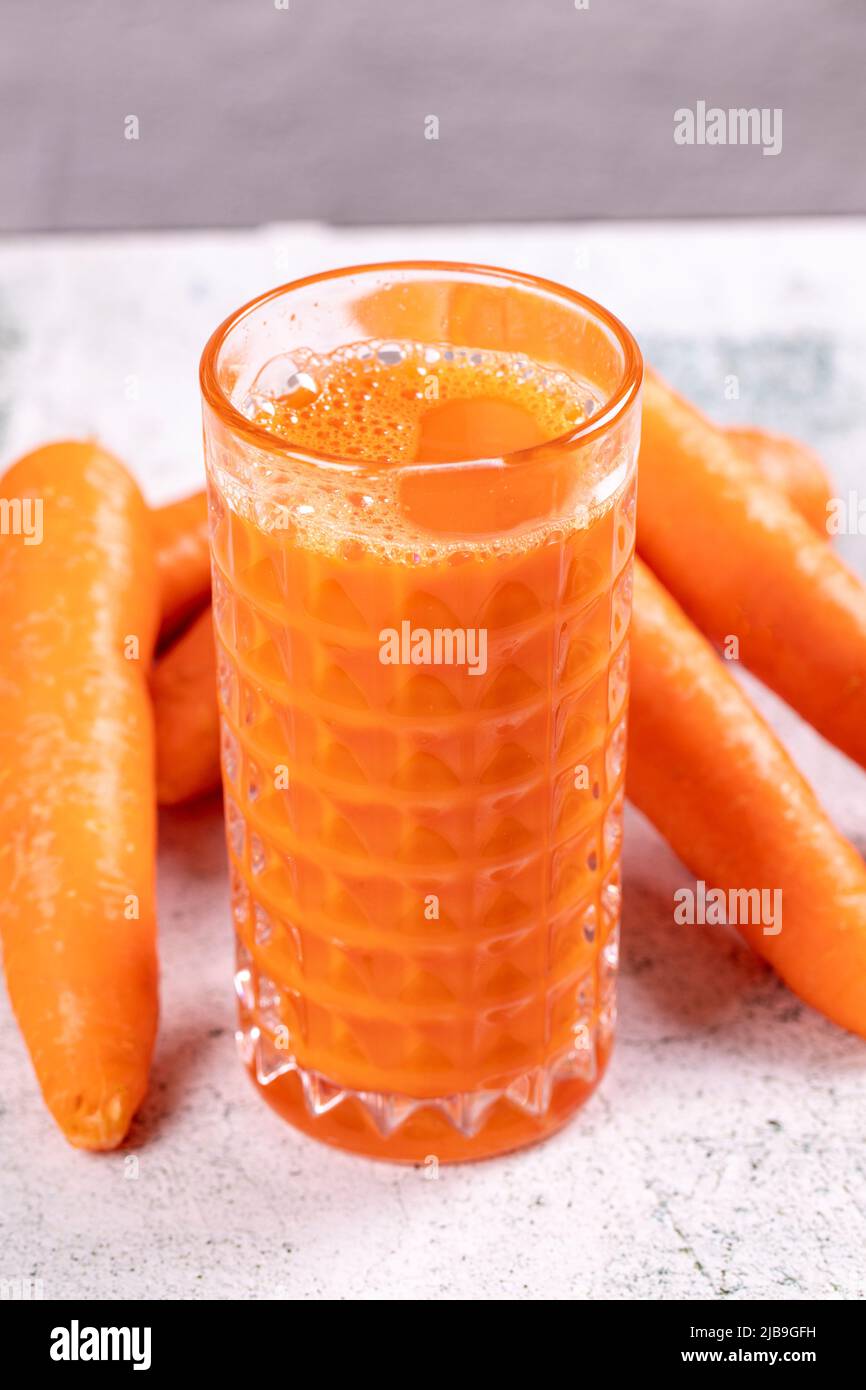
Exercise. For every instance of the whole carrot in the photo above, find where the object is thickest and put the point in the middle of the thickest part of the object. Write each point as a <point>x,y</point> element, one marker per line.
<point>185,711</point>
<point>716,782</point>
<point>790,466</point>
<point>183,562</point>
<point>77,806</point>
<point>749,570</point>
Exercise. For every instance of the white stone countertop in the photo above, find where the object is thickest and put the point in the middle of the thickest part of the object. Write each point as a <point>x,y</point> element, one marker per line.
<point>724,1155</point>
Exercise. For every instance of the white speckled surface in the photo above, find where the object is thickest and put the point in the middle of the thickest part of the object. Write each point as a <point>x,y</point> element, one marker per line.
<point>724,1154</point>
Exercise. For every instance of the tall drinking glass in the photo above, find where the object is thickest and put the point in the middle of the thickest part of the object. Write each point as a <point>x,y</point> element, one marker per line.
<point>421,484</point>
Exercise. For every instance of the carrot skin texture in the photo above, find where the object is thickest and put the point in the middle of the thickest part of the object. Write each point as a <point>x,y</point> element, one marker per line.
<point>712,777</point>
<point>187,721</point>
<point>791,467</point>
<point>742,561</point>
<point>77,788</point>
<point>183,560</point>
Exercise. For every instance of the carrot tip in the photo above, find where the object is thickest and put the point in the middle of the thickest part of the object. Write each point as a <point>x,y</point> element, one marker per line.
<point>97,1125</point>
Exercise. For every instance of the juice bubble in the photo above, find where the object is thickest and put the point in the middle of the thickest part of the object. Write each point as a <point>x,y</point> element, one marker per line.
<point>283,384</point>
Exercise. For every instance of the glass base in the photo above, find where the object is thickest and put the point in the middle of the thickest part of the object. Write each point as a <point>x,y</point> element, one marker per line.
<point>404,1129</point>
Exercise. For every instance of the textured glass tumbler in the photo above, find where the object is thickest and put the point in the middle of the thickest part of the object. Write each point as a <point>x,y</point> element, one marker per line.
<point>424,850</point>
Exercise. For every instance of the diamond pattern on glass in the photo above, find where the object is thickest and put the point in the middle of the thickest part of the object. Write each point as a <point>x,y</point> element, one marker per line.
<point>425,887</point>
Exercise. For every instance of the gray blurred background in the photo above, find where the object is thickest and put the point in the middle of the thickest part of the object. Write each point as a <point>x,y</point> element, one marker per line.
<point>248,113</point>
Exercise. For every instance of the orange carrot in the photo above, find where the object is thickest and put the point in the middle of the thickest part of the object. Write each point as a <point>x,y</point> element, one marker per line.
<point>183,562</point>
<point>185,710</point>
<point>790,466</point>
<point>745,565</point>
<point>717,783</point>
<point>77,798</point>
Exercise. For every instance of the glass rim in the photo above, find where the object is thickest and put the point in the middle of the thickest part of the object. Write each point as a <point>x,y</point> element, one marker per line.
<point>613,408</point>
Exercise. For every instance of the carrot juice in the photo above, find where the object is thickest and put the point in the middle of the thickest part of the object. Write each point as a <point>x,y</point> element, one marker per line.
<point>422,494</point>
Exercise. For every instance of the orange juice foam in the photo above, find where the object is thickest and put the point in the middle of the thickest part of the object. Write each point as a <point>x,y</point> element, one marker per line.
<point>403,402</point>
<point>424,853</point>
